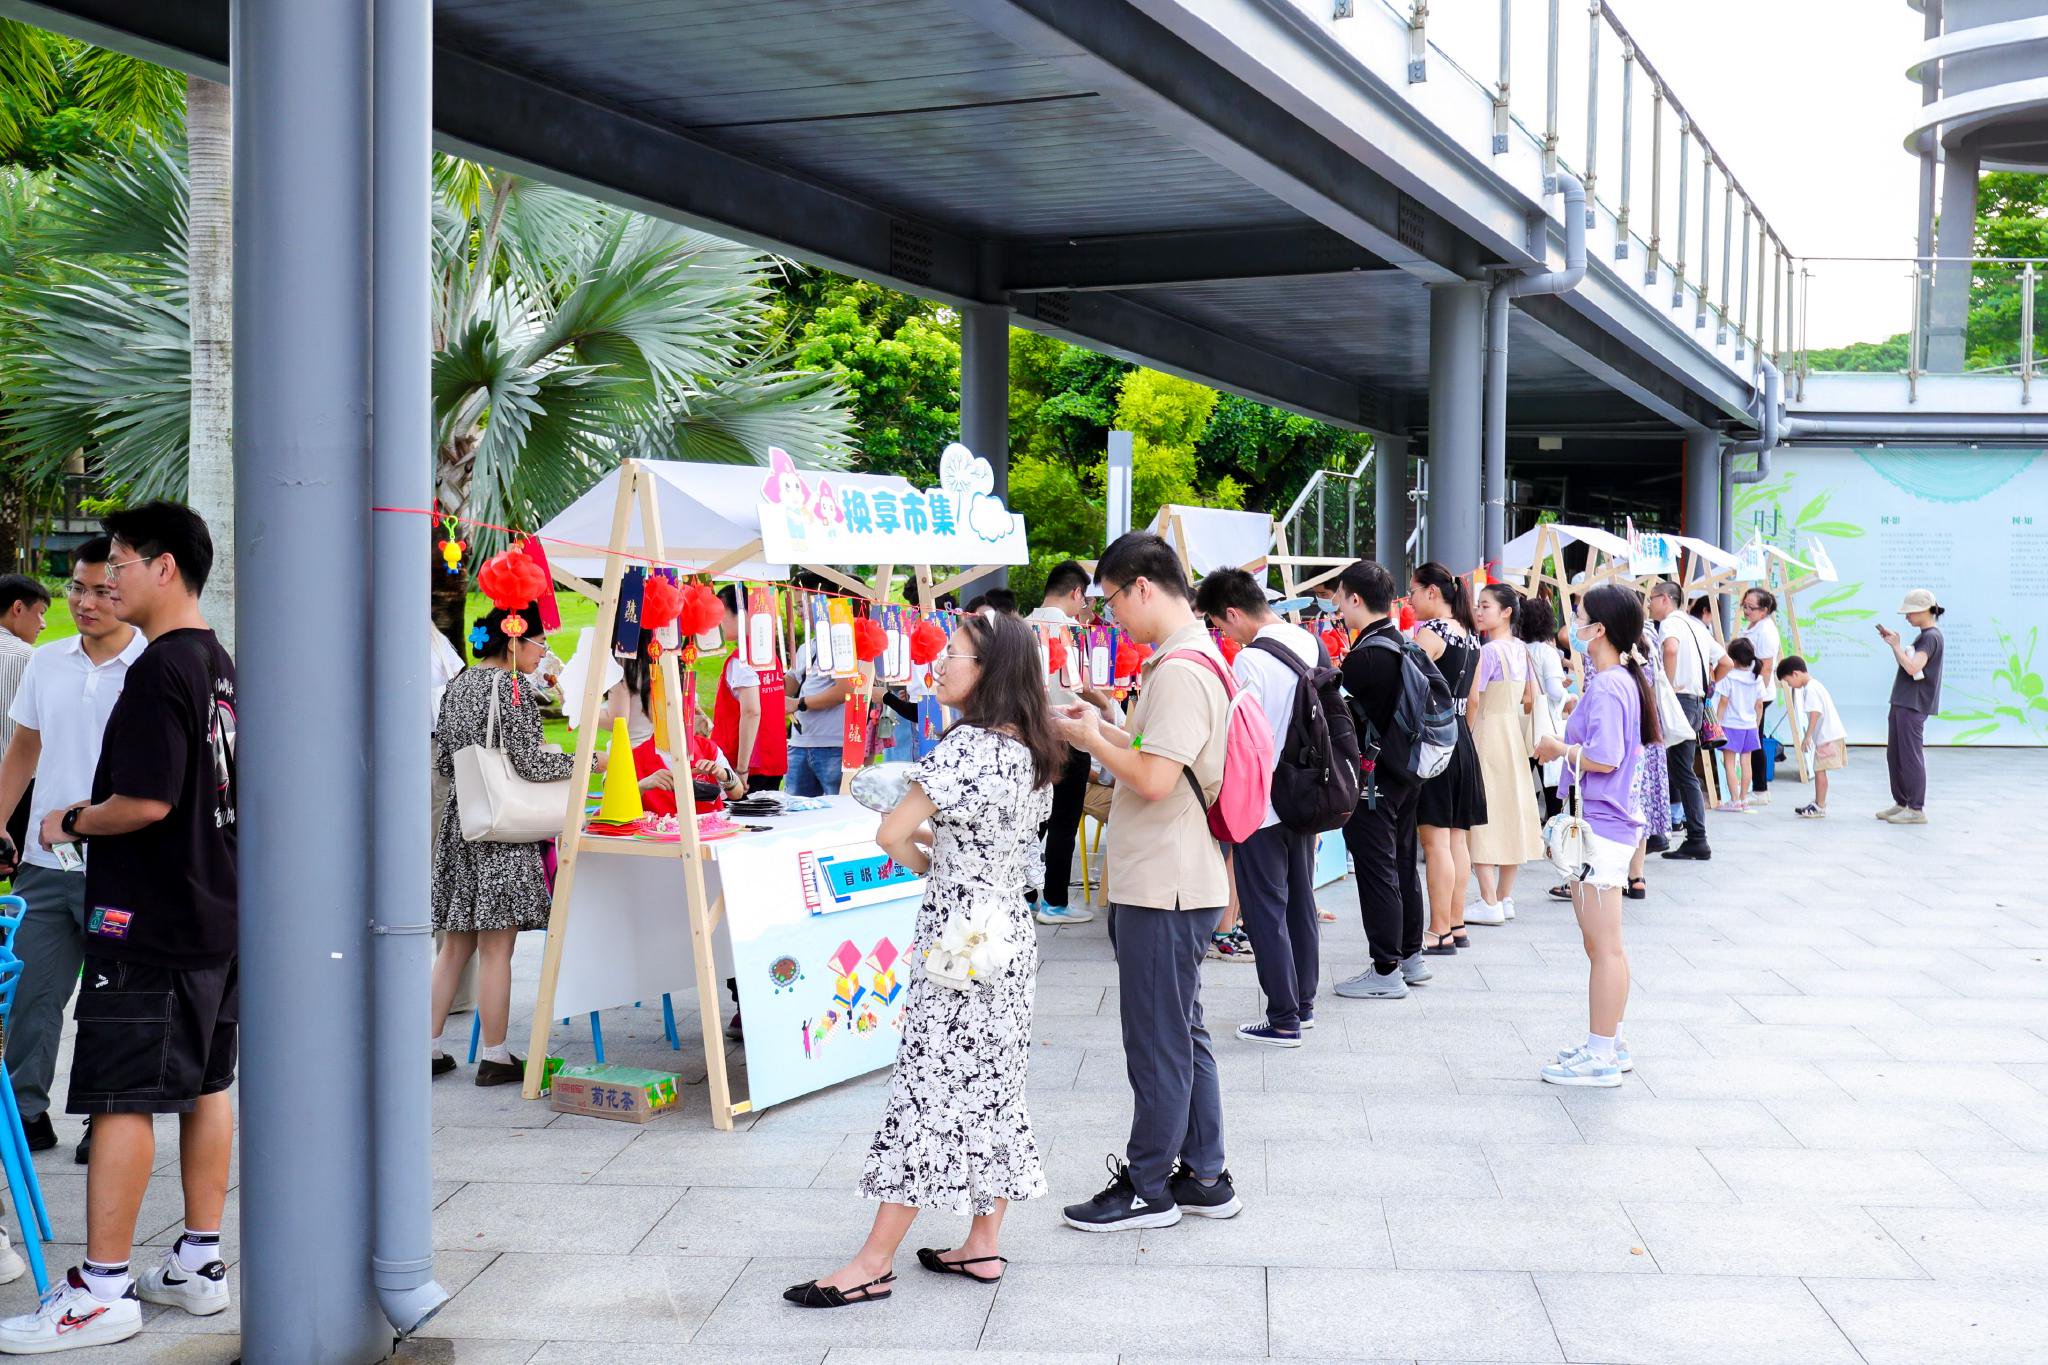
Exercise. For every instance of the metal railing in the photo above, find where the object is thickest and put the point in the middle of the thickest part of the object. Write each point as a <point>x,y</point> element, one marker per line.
<point>1293,526</point>
<point>1963,315</point>
<point>1754,305</point>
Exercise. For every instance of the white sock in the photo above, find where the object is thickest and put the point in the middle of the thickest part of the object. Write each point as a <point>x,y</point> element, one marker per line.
<point>1603,1048</point>
<point>501,1053</point>
<point>434,1049</point>
<point>197,1250</point>
<point>105,1282</point>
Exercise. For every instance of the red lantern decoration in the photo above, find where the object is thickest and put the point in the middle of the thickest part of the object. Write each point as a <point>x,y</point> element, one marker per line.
<point>1130,657</point>
<point>869,639</point>
<point>511,580</point>
<point>1407,618</point>
<point>1334,641</point>
<point>1056,654</point>
<point>659,602</point>
<point>1230,648</point>
<point>700,611</point>
<point>927,642</point>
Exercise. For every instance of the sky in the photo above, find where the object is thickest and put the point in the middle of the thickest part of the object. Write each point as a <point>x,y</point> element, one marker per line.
<point>1805,100</point>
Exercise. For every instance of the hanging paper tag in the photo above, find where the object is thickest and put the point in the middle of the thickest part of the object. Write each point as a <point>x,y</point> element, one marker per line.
<point>1070,667</point>
<point>853,750</point>
<point>1101,664</point>
<point>821,633</point>
<point>626,633</point>
<point>758,627</point>
<point>896,654</point>
<point>845,663</point>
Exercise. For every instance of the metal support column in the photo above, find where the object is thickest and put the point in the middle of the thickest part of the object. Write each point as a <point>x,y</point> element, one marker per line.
<point>1702,496</point>
<point>1457,314</point>
<point>401,431</point>
<point>302,483</point>
<point>1948,315</point>
<point>1390,505</point>
<point>1930,91</point>
<point>985,398</point>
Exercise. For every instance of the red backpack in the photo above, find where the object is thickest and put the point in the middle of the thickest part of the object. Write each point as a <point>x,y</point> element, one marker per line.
<point>1247,759</point>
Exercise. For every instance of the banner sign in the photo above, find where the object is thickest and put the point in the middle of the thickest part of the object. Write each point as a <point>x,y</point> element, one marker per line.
<point>1651,552</point>
<point>828,518</point>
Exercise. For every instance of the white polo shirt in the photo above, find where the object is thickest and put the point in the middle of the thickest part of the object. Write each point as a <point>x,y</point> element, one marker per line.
<point>1274,684</point>
<point>65,697</point>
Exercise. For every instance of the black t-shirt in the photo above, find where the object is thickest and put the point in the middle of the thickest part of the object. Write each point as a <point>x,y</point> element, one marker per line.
<point>165,894</point>
<point>1372,680</point>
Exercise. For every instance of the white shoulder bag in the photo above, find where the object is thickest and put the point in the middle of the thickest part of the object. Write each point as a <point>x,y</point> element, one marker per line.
<point>1567,838</point>
<point>1672,726</point>
<point>494,803</point>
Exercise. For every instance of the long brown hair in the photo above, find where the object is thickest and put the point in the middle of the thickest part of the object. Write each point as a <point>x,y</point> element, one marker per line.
<point>1009,697</point>
<point>1620,613</point>
<point>1435,575</point>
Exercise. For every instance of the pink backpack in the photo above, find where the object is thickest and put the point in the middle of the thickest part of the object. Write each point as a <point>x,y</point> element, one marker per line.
<point>1247,759</point>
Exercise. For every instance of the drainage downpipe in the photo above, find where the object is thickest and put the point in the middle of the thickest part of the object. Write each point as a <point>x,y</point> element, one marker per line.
<point>401,423</point>
<point>1505,290</point>
<point>1769,413</point>
<point>1906,431</point>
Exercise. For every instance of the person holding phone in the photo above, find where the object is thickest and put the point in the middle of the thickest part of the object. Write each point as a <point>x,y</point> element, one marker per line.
<point>1916,695</point>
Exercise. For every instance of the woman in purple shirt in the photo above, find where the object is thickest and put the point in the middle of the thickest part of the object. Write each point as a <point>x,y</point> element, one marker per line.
<point>1605,738</point>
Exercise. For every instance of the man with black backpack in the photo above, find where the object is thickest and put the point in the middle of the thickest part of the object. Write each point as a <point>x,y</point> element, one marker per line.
<point>1381,832</point>
<point>1289,672</point>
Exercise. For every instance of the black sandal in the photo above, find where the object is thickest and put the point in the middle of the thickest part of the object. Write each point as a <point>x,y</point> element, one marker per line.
<point>1637,889</point>
<point>1443,947</point>
<point>933,1261</point>
<point>811,1294</point>
<point>1460,937</point>
<point>1561,892</point>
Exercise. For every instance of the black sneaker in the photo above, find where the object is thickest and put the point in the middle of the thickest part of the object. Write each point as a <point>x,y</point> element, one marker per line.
<point>1656,843</point>
<point>1692,850</point>
<point>1197,1200</point>
<point>40,1132</point>
<point>1120,1206</point>
<point>84,1156</point>
<point>443,1064</point>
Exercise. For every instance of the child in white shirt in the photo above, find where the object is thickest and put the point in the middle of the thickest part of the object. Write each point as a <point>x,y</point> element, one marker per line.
<point>1826,738</point>
<point>1738,701</point>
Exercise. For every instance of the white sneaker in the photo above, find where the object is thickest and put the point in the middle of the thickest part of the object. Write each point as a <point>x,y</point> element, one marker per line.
<point>69,1317</point>
<point>1482,913</point>
<point>12,1267</point>
<point>1507,906</point>
<point>1759,798</point>
<point>201,1292</point>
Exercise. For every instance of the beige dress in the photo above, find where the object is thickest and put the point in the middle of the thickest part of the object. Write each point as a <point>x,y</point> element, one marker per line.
<point>1513,832</point>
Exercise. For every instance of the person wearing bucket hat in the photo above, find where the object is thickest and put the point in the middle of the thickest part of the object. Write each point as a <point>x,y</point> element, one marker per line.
<point>1916,695</point>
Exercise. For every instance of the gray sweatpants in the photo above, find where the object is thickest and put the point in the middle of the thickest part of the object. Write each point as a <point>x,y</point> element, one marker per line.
<point>1177,1104</point>
<point>1905,757</point>
<point>51,945</point>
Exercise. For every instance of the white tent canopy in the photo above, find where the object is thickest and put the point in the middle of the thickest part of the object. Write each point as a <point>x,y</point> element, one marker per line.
<point>1520,553</point>
<point>1215,537</point>
<point>707,511</point>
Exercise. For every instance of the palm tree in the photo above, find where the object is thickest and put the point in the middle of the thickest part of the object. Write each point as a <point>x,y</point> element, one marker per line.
<point>567,335</point>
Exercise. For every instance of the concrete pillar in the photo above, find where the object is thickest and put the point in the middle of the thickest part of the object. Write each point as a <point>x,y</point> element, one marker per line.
<point>1456,373</point>
<point>985,402</point>
<point>1949,312</point>
<point>302,294</point>
<point>1390,485</point>
<point>1702,497</point>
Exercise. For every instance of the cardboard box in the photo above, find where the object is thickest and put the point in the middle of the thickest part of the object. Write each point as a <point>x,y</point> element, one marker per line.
<point>615,1092</point>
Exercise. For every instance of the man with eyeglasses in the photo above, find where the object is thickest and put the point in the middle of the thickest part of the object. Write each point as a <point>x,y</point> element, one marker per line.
<point>58,716</point>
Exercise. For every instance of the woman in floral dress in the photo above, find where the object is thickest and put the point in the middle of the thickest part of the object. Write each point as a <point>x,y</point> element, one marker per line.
<point>956,1136</point>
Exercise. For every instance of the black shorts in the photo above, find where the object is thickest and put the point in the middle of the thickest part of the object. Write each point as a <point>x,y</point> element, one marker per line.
<point>152,1040</point>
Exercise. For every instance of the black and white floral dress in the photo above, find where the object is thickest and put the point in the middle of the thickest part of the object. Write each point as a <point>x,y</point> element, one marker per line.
<point>956,1136</point>
<point>486,885</point>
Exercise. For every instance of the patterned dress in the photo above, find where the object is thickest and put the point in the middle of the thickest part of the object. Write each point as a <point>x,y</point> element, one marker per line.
<point>956,1136</point>
<point>485,885</point>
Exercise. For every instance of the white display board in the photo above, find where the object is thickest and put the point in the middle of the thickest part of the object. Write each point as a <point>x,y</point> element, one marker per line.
<point>1971,525</point>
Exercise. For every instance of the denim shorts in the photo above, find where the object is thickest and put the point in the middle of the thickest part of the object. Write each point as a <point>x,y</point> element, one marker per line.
<point>151,1039</point>
<point>1607,862</point>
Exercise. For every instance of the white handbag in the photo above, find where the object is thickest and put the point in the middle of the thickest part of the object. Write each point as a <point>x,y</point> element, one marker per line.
<point>1672,726</point>
<point>1567,838</point>
<point>975,945</point>
<point>494,803</point>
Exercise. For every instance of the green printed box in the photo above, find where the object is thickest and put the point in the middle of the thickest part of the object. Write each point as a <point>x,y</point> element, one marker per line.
<point>614,1092</point>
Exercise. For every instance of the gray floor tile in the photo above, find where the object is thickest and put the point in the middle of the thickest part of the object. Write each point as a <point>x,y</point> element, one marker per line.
<point>1613,1116</point>
<point>719,1221</point>
<point>1461,1315</point>
<point>1965,1082</point>
<point>1810,1177</point>
<point>1064,1308</point>
<point>645,1298</point>
<point>471,1351</point>
<point>1389,1169</point>
<point>1470,1118</point>
<point>1691,1320</point>
<point>1768,1239</point>
<point>549,1155</point>
<point>1744,1078</point>
<point>1801,1041</point>
<point>549,1218</point>
<point>1884,1124</point>
<point>1514,1234</point>
<point>699,1156</point>
<point>1941,1323</point>
<point>1962,1244</point>
<point>924,1311</point>
<point>671,1353</point>
<point>1325,1229</point>
<point>2011,1180</point>
<point>1609,1171</point>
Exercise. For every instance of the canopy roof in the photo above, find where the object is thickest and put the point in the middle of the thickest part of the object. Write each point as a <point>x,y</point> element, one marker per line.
<point>1214,537</point>
<point>1520,553</point>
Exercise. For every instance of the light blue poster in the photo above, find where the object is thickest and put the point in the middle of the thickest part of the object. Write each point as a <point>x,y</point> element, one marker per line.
<point>1970,525</point>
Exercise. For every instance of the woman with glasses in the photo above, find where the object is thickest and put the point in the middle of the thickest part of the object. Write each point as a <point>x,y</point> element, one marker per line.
<point>1758,608</point>
<point>956,1136</point>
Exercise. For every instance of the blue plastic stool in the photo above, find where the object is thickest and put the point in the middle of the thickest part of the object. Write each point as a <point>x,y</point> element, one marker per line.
<point>14,1153</point>
<point>668,1030</point>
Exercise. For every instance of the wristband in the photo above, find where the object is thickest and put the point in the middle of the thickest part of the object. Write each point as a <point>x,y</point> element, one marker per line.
<point>69,824</point>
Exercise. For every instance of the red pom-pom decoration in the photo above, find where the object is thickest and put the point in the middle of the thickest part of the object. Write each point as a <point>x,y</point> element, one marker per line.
<point>1407,618</point>
<point>1230,648</point>
<point>1130,657</point>
<point>511,580</point>
<point>701,610</point>
<point>1056,654</point>
<point>659,602</point>
<point>927,642</point>
<point>869,640</point>
<point>1334,641</point>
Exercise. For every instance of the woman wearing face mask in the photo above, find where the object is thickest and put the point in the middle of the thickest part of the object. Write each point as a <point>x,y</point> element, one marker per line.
<point>1613,726</point>
<point>485,893</point>
<point>1454,800</point>
<point>1504,695</point>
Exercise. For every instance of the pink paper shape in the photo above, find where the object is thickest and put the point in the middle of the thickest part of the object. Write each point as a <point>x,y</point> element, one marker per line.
<point>845,958</point>
<point>884,954</point>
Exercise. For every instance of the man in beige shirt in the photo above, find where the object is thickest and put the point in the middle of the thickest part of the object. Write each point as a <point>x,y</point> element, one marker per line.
<point>1170,881</point>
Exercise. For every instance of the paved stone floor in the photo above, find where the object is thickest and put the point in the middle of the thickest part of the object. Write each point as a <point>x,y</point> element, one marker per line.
<point>1834,1148</point>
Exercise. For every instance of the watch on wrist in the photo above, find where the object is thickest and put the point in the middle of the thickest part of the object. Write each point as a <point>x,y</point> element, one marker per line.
<point>69,824</point>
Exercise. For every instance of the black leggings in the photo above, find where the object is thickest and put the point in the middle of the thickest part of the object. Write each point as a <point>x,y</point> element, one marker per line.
<point>1758,766</point>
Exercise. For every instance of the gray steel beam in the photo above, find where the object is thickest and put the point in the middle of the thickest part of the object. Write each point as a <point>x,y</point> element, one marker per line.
<point>302,294</point>
<point>1156,259</point>
<point>1565,331</point>
<point>1146,336</point>
<point>191,37</point>
<point>1391,482</point>
<point>985,402</point>
<point>1148,70</point>
<point>1702,497</point>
